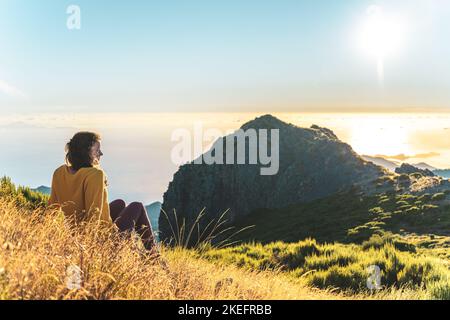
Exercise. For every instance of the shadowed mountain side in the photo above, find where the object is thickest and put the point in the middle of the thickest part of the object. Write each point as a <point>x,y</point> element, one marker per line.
<point>409,169</point>
<point>313,163</point>
<point>351,217</point>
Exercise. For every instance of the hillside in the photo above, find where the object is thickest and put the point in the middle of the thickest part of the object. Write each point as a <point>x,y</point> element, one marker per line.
<point>40,248</point>
<point>382,162</point>
<point>392,165</point>
<point>323,190</point>
<point>313,164</point>
<point>404,266</point>
<point>351,217</point>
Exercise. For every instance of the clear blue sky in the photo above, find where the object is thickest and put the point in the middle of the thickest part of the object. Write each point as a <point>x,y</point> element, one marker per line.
<point>212,55</point>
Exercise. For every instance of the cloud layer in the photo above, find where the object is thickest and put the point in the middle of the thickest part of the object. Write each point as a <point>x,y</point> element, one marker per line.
<point>404,157</point>
<point>10,90</point>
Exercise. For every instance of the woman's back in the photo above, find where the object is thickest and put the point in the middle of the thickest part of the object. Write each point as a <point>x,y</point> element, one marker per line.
<point>80,189</point>
<point>81,194</point>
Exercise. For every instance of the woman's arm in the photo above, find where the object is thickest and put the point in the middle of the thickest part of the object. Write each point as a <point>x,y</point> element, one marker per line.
<point>94,196</point>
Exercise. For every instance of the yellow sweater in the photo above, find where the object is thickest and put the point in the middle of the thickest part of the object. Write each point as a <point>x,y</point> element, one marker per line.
<point>83,195</point>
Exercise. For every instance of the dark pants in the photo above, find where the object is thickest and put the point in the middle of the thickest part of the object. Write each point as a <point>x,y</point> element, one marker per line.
<point>133,217</point>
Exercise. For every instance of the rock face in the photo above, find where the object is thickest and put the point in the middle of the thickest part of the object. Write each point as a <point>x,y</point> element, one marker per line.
<point>409,169</point>
<point>313,163</point>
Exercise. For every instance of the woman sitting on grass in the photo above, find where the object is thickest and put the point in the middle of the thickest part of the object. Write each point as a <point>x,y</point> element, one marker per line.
<point>79,188</point>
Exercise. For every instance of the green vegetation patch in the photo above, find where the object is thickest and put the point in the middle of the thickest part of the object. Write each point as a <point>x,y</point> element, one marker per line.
<point>23,196</point>
<point>343,267</point>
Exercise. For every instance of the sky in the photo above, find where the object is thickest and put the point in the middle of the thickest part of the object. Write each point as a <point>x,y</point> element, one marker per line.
<point>137,70</point>
<point>203,55</point>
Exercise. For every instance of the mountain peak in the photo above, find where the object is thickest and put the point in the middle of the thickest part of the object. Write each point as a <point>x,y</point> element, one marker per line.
<point>313,163</point>
<point>327,132</point>
<point>42,189</point>
<point>267,121</point>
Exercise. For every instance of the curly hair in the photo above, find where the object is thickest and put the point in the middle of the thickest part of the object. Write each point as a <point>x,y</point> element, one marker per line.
<point>78,150</point>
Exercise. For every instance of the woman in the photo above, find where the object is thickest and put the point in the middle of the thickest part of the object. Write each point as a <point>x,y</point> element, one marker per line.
<point>79,188</point>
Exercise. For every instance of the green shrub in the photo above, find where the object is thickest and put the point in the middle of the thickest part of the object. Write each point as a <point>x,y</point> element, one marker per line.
<point>344,267</point>
<point>296,254</point>
<point>416,175</point>
<point>378,241</point>
<point>412,210</point>
<point>439,290</point>
<point>23,196</point>
<point>376,211</point>
<point>403,178</point>
<point>352,278</point>
<point>425,197</point>
<point>438,197</point>
<point>406,197</point>
<point>429,207</point>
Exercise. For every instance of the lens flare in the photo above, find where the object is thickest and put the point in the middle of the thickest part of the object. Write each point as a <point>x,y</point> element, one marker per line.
<point>381,35</point>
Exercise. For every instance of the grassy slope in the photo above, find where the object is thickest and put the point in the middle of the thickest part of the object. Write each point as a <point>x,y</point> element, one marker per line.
<point>345,267</point>
<point>349,217</point>
<point>23,196</point>
<point>37,247</point>
<point>325,220</point>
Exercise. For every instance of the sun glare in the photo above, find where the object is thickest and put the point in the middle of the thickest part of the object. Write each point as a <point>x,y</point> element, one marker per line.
<point>381,35</point>
<point>381,135</point>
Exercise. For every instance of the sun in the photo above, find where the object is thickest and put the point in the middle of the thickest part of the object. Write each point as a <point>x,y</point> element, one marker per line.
<point>381,35</point>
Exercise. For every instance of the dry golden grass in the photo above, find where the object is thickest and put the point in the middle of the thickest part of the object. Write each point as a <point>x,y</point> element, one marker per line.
<point>37,248</point>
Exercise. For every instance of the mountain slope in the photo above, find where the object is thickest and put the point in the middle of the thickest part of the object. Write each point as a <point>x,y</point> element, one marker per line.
<point>43,190</point>
<point>409,169</point>
<point>351,217</point>
<point>391,165</point>
<point>382,162</point>
<point>40,253</point>
<point>113,266</point>
<point>313,163</point>
<point>424,166</point>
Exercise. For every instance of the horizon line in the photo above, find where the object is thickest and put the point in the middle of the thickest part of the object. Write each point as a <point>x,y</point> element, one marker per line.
<point>308,110</point>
